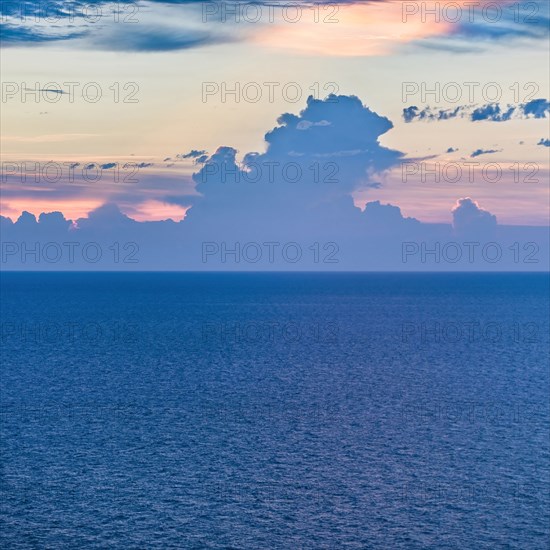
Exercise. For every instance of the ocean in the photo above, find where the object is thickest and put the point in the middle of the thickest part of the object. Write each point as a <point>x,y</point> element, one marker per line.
<point>284,411</point>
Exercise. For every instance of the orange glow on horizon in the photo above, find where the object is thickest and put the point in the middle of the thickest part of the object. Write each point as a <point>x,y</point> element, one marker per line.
<point>153,210</point>
<point>72,210</point>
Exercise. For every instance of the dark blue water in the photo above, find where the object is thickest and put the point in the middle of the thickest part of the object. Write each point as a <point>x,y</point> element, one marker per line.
<point>274,411</point>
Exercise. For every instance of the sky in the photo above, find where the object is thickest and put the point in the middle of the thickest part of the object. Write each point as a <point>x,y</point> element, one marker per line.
<point>132,105</point>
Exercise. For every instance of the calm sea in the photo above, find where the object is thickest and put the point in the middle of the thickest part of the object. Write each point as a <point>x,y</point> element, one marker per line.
<point>283,411</point>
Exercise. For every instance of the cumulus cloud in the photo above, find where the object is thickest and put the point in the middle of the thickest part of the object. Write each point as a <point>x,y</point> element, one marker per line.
<point>305,178</point>
<point>54,220</point>
<point>469,219</point>
<point>300,189</point>
<point>106,216</point>
<point>107,239</point>
<point>302,183</point>
<point>387,219</point>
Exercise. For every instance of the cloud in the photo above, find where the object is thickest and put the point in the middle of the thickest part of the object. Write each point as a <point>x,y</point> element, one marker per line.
<point>469,219</point>
<point>150,26</point>
<point>106,216</point>
<point>301,184</point>
<point>107,239</point>
<point>54,221</point>
<point>387,219</point>
<point>430,114</point>
<point>494,112</point>
<point>47,90</point>
<point>501,22</point>
<point>156,39</point>
<point>312,164</point>
<point>410,113</point>
<point>298,190</point>
<point>479,152</point>
<point>537,108</point>
<point>192,154</point>
<point>17,35</point>
<point>177,25</point>
<point>80,186</point>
